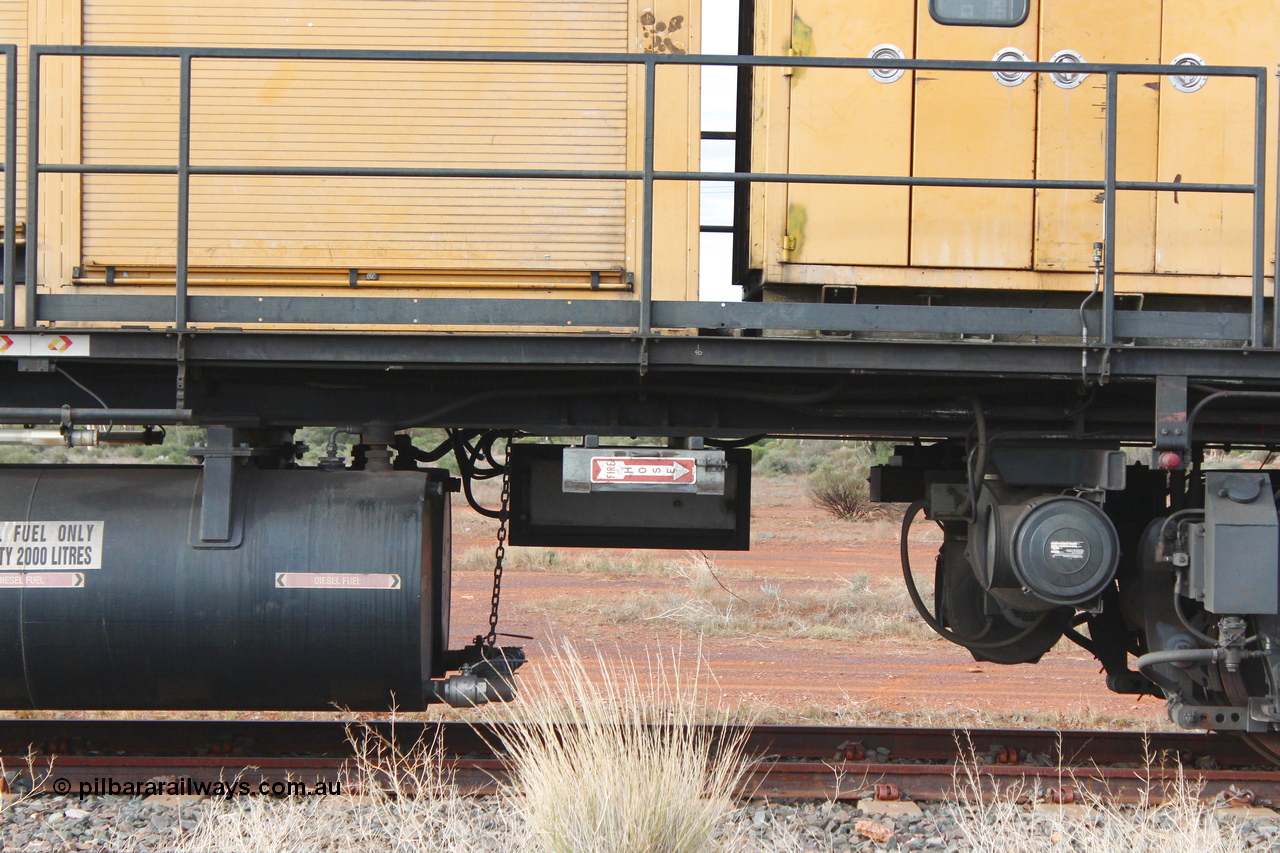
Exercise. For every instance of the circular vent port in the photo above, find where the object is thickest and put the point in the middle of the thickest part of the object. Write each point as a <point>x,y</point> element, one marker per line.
<point>886,51</point>
<point>1066,79</point>
<point>1188,82</point>
<point>1010,78</point>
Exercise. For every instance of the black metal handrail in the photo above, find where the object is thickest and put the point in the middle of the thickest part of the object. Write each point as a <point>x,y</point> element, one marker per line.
<point>648,175</point>
<point>9,272</point>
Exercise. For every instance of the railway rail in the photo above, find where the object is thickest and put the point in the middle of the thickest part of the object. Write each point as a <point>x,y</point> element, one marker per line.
<point>823,762</point>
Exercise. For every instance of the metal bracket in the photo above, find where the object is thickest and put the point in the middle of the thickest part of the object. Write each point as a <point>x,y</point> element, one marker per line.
<point>1216,717</point>
<point>217,494</point>
<point>1171,431</point>
<point>180,388</point>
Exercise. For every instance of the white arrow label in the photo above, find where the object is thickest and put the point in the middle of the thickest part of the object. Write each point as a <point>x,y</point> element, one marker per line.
<point>656,469</point>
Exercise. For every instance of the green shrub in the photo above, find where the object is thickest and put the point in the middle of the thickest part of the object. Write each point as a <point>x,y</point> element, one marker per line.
<point>839,484</point>
<point>786,457</point>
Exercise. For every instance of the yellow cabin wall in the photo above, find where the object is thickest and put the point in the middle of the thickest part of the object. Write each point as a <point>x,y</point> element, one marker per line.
<point>677,147</point>
<point>842,121</point>
<point>58,240</point>
<point>536,237</point>
<point>1071,134</point>
<point>1206,136</point>
<point>770,140</point>
<point>13,30</point>
<point>970,126</point>
<point>283,113</point>
<point>965,124</point>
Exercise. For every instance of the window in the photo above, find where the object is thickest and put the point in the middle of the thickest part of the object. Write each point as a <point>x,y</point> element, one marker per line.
<point>979,13</point>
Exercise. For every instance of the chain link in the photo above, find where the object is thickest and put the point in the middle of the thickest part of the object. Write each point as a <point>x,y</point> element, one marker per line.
<point>500,551</point>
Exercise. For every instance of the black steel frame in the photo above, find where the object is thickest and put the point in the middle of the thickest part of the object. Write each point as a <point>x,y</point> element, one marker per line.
<point>644,316</point>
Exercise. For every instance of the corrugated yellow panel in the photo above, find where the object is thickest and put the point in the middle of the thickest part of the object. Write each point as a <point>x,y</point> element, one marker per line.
<point>13,30</point>
<point>845,121</point>
<point>58,240</point>
<point>1071,137</point>
<point>361,114</point>
<point>1206,136</point>
<point>969,125</point>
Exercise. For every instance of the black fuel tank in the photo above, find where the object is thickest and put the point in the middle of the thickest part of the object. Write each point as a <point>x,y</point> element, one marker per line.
<point>332,591</point>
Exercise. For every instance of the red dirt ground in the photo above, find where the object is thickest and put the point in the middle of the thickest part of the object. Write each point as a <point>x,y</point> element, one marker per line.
<point>794,544</point>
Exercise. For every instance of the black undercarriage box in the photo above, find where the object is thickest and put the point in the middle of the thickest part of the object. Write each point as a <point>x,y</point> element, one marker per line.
<point>545,514</point>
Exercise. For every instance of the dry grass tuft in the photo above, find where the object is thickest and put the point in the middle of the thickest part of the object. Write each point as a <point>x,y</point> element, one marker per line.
<point>846,609</point>
<point>866,712</point>
<point>609,563</point>
<point>617,763</point>
<point>395,800</point>
<point>1180,823</point>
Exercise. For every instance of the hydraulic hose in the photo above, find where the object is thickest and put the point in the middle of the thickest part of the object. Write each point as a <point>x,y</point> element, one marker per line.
<point>975,482</point>
<point>1151,659</point>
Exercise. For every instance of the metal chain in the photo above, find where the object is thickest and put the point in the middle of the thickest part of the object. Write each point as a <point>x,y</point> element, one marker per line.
<point>500,551</point>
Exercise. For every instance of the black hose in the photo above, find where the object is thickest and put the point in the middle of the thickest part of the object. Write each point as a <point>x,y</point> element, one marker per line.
<point>975,485</point>
<point>405,445</point>
<point>1182,513</point>
<point>1224,395</point>
<point>946,634</point>
<point>465,456</point>
<point>1182,617</point>
<point>735,444</point>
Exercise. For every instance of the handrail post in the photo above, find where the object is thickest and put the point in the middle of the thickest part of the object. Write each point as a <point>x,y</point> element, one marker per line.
<point>33,183</point>
<point>646,205</point>
<point>1109,215</point>
<point>1275,272</point>
<point>184,193</point>
<point>1257,306</point>
<point>10,183</point>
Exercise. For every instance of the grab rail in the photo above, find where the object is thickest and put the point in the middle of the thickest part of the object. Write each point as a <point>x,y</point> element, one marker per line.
<point>90,306</point>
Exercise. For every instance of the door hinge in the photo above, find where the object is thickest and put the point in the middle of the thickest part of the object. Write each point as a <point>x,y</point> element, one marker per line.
<point>788,70</point>
<point>788,246</point>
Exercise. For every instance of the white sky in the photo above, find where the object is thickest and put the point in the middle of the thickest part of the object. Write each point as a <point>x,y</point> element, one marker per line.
<point>719,35</point>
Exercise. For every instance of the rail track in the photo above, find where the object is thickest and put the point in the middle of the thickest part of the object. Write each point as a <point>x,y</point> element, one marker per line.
<point>790,761</point>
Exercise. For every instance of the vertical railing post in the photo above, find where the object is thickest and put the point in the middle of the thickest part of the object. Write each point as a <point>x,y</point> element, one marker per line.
<point>646,204</point>
<point>1257,306</point>
<point>10,183</point>
<point>1275,272</point>
<point>184,193</point>
<point>1109,215</point>
<point>33,184</point>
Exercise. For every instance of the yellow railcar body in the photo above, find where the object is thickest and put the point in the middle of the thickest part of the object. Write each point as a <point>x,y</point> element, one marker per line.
<point>1207,135</point>
<point>304,235</point>
<point>968,124</point>
<point>965,128</point>
<point>872,222</point>
<point>1070,138</point>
